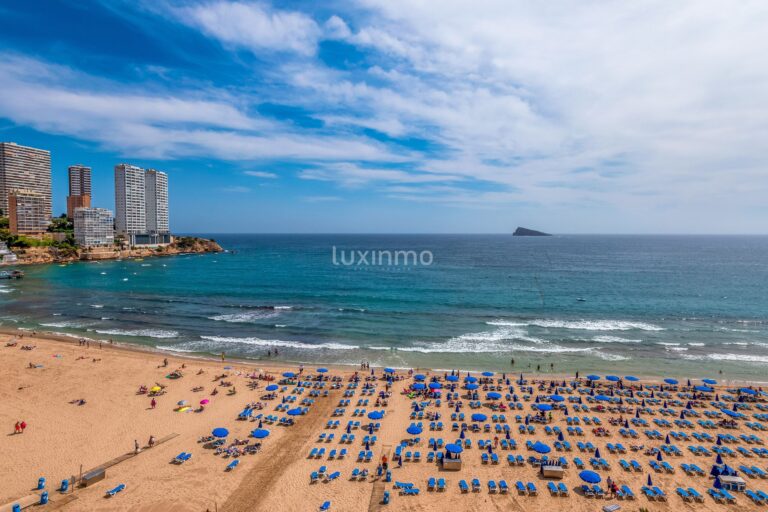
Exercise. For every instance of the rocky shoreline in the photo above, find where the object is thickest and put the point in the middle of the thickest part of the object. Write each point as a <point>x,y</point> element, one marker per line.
<point>47,255</point>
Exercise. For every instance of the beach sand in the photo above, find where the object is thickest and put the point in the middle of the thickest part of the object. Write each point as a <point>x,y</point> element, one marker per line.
<point>61,438</point>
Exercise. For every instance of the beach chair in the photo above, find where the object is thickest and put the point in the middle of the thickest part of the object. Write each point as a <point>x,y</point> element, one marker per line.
<point>660,495</point>
<point>475,485</point>
<point>695,495</point>
<point>431,483</point>
<point>719,498</point>
<point>553,489</point>
<point>326,506</point>
<point>728,496</point>
<point>440,484</point>
<point>385,498</point>
<point>598,491</point>
<point>754,497</point>
<point>684,494</point>
<point>313,477</point>
<point>492,486</point>
<point>503,487</point>
<point>115,490</point>
<point>648,493</point>
<point>532,491</point>
<point>232,465</point>
<point>463,487</point>
<point>520,486</point>
<point>333,476</point>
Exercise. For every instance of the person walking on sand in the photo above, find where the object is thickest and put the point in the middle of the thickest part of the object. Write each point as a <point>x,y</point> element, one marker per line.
<point>22,426</point>
<point>153,403</point>
<point>136,448</point>
<point>151,442</point>
<point>17,428</point>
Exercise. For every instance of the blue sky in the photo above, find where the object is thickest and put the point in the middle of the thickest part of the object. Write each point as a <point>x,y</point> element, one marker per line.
<point>397,116</point>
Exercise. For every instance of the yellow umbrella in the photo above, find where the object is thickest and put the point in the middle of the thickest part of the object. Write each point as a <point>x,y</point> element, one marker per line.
<point>155,389</point>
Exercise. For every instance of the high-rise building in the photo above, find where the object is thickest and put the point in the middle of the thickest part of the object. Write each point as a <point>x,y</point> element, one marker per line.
<point>130,201</point>
<point>79,188</point>
<point>94,227</point>
<point>27,212</point>
<point>141,205</point>
<point>24,168</point>
<point>156,186</point>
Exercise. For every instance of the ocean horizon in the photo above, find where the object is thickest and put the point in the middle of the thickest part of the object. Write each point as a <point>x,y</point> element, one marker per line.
<point>683,305</point>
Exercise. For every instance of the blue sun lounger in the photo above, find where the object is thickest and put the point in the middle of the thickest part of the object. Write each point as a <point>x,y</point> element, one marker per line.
<point>503,487</point>
<point>116,490</point>
<point>463,487</point>
<point>326,506</point>
<point>232,465</point>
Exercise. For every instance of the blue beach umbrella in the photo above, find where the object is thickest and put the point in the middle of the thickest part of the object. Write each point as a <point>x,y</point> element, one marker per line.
<point>418,386</point>
<point>260,433</point>
<point>452,378</point>
<point>453,448</point>
<point>472,387</point>
<point>560,437</point>
<point>590,477</point>
<point>597,453</point>
<point>544,407</point>
<point>658,457</point>
<point>711,382</point>
<point>375,415</point>
<point>479,417</point>
<point>557,398</point>
<point>419,376</point>
<point>272,387</point>
<point>704,389</point>
<point>718,484</point>
<point>603,398</point>
<point>322,370</point>
<point>719,459</point>
<point>435,385</point>
<point>730,413</point>
<point>671,381</point>
<point>289,375</point>
<point>650,482</point>
<point>470,379</point>
<point>631,378</point>
<point>220,432</point>
<point>487,374</point>
<point>593,377</point>
<point>540,447</point>
<point>612,378</point>
<point>389,370</point>
<point>294,412</point>
<point>414,430</point>
<point>748,391</point>
<point>462,435</point>
<point>494,395</point>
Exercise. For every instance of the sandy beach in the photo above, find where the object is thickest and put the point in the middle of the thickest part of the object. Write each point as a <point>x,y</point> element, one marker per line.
<point>43,387</point>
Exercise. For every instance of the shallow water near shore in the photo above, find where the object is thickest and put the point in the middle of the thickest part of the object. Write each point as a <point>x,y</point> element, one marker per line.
<point>648,305</point>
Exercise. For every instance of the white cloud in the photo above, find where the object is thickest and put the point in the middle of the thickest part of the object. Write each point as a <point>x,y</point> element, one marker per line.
<point>353,175</point>
<point>236,189</point>
<point>254,26</point>
<point>261,174</point>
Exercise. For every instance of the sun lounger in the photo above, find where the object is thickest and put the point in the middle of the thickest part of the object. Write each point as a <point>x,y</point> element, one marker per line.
<point>659,494</point>
<point>587,490</point>
<point>441,484</point>
<point>553,489</point>
<point>115,490</point>
<point>475,485</point>
<point>520,486</point>
<point>463,487</point>
<point>532,491</point>
<point>232,465</point>
<point>431,483</point>
<point>326,506</point>
<point>695,495</point>
<point>333,476</point>
<point>599,493</point>
<point>492,486</point>
<point>503,487</point>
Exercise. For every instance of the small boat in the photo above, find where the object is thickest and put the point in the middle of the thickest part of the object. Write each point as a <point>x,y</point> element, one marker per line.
<point>11,274</point>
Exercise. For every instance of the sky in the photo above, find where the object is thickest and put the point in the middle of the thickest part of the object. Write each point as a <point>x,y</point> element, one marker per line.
<point>404,116</point>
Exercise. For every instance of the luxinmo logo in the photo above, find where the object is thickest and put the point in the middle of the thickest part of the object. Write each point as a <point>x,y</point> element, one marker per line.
<point>381,258</point>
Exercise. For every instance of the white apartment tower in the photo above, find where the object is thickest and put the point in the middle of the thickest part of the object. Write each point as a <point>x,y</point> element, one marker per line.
<point>130,200</point>
<point>156,186</point>
<point>141,205</point>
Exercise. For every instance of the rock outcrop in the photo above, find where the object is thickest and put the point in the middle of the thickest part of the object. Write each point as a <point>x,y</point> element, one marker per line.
<point>180,245</point>
<point>529,232</point>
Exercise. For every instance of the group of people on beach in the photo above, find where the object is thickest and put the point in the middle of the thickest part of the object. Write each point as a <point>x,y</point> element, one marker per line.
<point>20,427</point>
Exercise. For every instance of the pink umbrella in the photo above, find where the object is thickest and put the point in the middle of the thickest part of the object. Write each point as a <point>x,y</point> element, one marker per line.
<point>204,401</point>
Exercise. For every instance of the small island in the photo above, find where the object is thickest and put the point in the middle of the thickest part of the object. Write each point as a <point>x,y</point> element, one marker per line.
<point>529,232</point>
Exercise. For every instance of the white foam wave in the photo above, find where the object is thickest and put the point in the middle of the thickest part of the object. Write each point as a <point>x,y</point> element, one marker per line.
<point>614,339</point>
<point>588,325</point>
<point>72,324</point>
<point>611,357</point>
<point>145,333</point>
<point>694,344</point>
<point>667,344</point>
<point>280,343</point>
<point>97,306</point>
<point>743,358</point>
<point>245,316</point>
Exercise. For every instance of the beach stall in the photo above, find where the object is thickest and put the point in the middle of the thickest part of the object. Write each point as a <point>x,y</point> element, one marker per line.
<point>452,457</point>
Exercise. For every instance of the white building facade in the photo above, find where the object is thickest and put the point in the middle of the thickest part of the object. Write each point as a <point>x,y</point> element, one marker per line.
<point>94,227</point>
<point>141,205</point>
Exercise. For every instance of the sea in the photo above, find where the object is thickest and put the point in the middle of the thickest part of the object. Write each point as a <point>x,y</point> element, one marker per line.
<point>684,306</point>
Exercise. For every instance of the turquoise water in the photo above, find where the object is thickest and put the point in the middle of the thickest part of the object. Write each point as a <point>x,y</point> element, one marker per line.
<point>651,305</point>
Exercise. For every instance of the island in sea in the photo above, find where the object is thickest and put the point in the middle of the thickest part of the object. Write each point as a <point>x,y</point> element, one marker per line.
<point>529,232</point>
